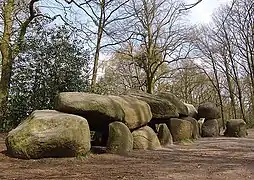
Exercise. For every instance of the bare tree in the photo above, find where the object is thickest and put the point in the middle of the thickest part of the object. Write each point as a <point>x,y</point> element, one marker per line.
<point>121,72</point>
<point>240,37</point>
<point>106,18</point>
<point>160,36</point>
<point>228,47</point>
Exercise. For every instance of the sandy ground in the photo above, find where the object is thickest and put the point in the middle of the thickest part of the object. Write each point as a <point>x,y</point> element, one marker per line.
<point>207,158</point>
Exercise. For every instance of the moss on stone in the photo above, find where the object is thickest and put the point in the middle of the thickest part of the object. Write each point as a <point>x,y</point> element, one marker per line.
<point>145,138</point>
<point>49,134</point>
<point>180,129</point>
<point>120,139</point>
<point>164,135</point>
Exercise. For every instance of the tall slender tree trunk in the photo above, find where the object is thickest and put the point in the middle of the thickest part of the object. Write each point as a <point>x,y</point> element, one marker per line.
<point>250,62</point>
<point>7,59</point>
<point>96,61</point>
<point>251,86</point>
<point>98,46</point>
<point>218,92</point>
<point>234,68</point>
<point>230,89</point>
<point>240,97</point>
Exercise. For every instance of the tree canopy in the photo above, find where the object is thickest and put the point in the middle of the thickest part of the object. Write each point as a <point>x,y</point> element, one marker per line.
<point>52,46</point>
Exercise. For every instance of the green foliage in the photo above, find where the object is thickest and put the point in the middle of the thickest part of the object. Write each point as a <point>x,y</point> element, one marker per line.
<point>53,60</point>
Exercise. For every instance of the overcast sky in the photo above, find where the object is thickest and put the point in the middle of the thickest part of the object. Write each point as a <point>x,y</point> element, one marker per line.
<point>203,11</point>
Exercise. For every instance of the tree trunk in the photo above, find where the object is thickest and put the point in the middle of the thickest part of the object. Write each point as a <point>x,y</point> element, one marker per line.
<point>98,46</point>
<point>7,60</point>
<point>235,73</point>
<point>251,116</point>
<point>230,89</point>
<point>95,65</point>
<point>217,87</point>
<point>150,84</point>
<point>5,83</point>
<point>250,62</point>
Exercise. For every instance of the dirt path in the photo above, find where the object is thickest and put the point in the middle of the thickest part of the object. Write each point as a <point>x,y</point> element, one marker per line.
<point>208,158</point>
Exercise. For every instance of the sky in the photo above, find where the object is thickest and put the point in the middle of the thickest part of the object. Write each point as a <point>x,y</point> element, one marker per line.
<point>203,11</point>
<point>198,14</point>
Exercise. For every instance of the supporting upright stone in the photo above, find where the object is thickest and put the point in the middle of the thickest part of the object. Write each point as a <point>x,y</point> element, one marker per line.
<point>120,139</point>
<point>210,128</point>
<point>236,128</point>
<point>195,125</point>
<point>180,129</point>
<point>164,135</point>
<point>145,138</point>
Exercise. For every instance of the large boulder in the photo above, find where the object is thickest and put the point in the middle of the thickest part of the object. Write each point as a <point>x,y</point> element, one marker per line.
<point>161,108</point>
<point>208,111</point>
<point>236,128</point>
<point>210,128</point>
<point>137,113</point>
<point>195,125</point>
<point>101,110</point>
<point>192,111</point>
<point>180,129</point>
<point>48,133</point>
<point>145,138</point>
<point>164,135</point>
<point>120,139</point>
<point>180,106</point>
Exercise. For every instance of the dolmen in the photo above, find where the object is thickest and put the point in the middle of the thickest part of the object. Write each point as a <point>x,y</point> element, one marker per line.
<point>134,121</point>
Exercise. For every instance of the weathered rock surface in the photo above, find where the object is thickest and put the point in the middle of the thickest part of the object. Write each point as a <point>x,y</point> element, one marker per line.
<point>164,135</point>
<point>192,111</point>
<point>195,125</point>
<point>48,133</point>
<point>180,106</point>
<point>210,128</point>
<point>145,138</point>
<point>120,139</point>
<point>208,111</point>
<point>161,108</point>
<point>236,128</point>
<point>137,113</point>
<point>180,129</point>
<point>101,110</point>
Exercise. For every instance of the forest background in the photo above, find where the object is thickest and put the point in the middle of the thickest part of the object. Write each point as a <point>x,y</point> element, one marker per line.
<point>113,46</point>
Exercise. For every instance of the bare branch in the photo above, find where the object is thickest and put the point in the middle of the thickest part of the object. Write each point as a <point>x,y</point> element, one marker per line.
<point>189,6</point>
